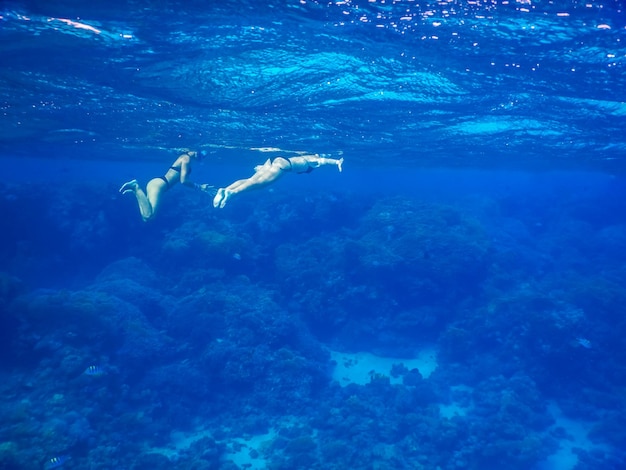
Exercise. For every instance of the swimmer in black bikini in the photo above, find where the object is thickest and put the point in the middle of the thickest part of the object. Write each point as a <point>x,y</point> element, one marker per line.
<point>270,171</point>
<point>179,171</point>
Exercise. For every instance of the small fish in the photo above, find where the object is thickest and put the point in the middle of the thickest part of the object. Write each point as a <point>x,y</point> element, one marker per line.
<point>584,342</point>
<point>55,462</point>
<point>94,371</point>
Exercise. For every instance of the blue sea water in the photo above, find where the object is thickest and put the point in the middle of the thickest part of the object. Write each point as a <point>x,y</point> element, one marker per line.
<point>453,299</point>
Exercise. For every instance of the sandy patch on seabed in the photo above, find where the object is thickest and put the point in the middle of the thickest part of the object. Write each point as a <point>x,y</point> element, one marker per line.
<point>358,367</point>
<point>577,430</point>
<point>244,452</point>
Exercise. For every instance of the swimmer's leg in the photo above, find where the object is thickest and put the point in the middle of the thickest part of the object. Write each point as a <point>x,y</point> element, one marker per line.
<point>145,207</point>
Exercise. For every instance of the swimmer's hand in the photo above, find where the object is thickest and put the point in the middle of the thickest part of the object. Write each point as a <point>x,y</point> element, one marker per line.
<point>339,163</point>
<point>207,188</point>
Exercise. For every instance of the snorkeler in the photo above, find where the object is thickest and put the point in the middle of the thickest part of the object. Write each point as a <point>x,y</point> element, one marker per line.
<point>270,171</point>
<point>179,171</point>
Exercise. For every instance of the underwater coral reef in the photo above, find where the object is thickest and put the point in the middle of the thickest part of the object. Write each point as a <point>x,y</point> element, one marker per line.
<point>344,331</point>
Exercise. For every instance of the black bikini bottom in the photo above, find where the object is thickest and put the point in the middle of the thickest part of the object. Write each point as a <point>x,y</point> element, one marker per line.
<point>167,183</point>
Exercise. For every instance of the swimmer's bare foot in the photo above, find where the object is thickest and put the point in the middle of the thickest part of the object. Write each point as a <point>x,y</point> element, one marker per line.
<point>131,186</point>
<point>339,164</point>
<point>219,196</point>
<point>227,195</point>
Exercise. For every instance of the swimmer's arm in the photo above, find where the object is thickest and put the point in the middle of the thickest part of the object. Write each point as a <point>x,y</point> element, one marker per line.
<point>184,177</point>
<point>184,172</point>
<point>204,187</point>
<point>318,161</point>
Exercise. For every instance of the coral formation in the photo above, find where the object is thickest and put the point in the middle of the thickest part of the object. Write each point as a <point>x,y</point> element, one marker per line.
<point>222,329</point>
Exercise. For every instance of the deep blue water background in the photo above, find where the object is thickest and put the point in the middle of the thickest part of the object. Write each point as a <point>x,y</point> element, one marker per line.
<point>476,238</point>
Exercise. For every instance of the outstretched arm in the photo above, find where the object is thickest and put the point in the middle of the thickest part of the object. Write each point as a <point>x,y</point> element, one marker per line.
<point>207,188</point>
<point>315,161</point>
<point>204,187</point>
<point>185,170</point>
